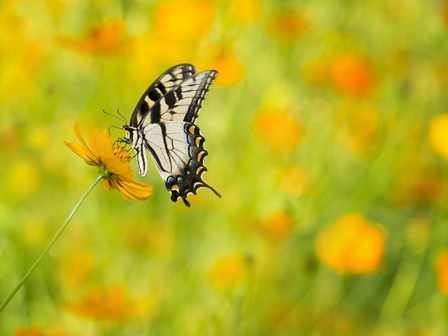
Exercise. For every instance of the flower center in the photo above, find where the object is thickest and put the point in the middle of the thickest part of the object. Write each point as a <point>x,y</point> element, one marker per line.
<point>122,153</point>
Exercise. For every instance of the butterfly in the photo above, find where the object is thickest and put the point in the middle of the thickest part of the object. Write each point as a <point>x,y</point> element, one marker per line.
<point>163,123</point>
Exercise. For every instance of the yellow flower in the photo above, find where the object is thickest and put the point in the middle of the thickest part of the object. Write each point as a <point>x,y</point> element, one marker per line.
<point>294,180</point>
<point>351,244</point>
<point>113,164</point>
<point>75,268</point>
<point>183,20</point>
<point>438,135</point>
<point>442,270</point>
<point>278,129</point>
<point>245,12</point>
<point>359,129</point>
<point>229,270</point>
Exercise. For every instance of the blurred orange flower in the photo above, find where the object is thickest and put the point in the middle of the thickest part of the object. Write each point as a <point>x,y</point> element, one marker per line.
<point>229,67</point>
<point>351,244</point>
<point>76,267</point>
<point>229,270</point>
<point>113,163</point>
<point>438,135</point>
<point>444,11</point>
<point>441,268</point>
<point>277,226</point>
<point>106,39</point>
<point>288,25</point>
<point>352,75</point>
<point>111,303</point>
<point>37,331</point>
<point>278,129</point>
<point>34,331</point>
<point>183,19</point>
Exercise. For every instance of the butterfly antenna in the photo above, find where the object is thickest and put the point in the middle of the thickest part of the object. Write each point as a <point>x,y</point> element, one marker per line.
<point>123,118</point>
<point>114,126</point>
<point>119,117</point>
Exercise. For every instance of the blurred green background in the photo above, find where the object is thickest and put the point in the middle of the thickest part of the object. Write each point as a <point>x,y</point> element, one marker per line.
<point>327,132</point>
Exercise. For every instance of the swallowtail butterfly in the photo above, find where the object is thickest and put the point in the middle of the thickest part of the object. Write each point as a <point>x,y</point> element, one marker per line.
<point>163,124</point>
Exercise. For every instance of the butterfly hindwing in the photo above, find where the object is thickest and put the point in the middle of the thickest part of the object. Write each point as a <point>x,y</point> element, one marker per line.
<point>178,152</point>
<point>164,84</point>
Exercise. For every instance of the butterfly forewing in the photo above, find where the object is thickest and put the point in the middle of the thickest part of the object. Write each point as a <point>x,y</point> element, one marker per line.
<point>164,84</point>
<point>183,102</point>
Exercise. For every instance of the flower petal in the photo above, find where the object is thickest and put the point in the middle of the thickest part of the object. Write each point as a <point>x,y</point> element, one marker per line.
<point>107,185</point>
<point>131,189</point>
<point>81,152</point>
<point>116,166</point>
<point>101,143</point>
<point>79,135</point>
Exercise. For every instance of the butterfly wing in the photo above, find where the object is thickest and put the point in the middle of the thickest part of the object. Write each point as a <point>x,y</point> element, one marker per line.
<point>177,149</point>
<point>183,102</point>
<point>164,84</point>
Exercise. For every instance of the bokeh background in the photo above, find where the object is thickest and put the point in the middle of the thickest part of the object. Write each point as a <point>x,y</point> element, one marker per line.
<point>327,132</point>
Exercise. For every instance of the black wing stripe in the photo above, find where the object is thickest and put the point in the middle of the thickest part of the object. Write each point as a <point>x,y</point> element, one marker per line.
<point>164,84</point>
<point>183,102</point>
<point>196,103</point>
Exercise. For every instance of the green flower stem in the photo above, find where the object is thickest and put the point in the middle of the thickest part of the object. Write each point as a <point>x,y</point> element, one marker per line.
<point>50,243</point>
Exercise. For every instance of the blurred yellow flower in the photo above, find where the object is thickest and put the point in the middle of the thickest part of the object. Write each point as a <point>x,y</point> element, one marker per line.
<point>39,138</point>
<point>352,75</point>
<point>316,70</point>
<point>112,161</point>
<point>278,129</point>
<point>277,226</point>
<point>417,182</point>
<point>183,19</point>
<point>25,173</point>
<point>246,11</point>
<point>110,303</point>
<point>359,129</point>
<point>441,269</point>
<point>76,267</point>
<point>229,270</point>
<point>294,180</point>
<point>288,25</point>
<point>107,39</point>
<point>438,135</point>
<point>351,244</point>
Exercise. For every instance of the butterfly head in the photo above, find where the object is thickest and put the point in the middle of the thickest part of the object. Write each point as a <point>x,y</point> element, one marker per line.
<point>131,136</point>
